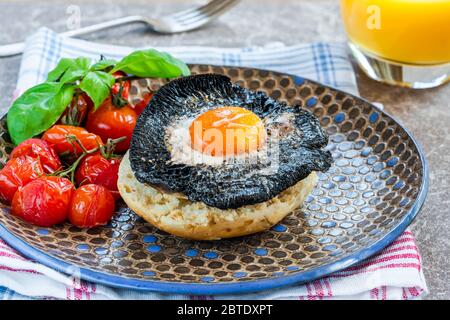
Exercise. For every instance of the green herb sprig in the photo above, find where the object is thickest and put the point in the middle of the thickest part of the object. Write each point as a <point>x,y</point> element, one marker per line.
<point>38,108</point>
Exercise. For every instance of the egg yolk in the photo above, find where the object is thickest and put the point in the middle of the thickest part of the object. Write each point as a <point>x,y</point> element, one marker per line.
<point>227,131</point>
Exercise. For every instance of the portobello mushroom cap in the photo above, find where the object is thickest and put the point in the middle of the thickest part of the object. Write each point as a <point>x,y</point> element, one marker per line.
<point>230,184</point>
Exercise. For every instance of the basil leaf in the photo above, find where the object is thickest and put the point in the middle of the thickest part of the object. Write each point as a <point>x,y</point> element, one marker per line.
<point>37,109</point>
<point>77,70</point>
<point>152,63</point>
<point>103,64</point>
<point>97,85</point>
<point>58,71</point>
<point>69,70</point>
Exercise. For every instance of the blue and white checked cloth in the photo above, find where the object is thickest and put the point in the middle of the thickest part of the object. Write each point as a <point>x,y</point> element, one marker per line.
<point>385,276</point>
<point>324,62</point>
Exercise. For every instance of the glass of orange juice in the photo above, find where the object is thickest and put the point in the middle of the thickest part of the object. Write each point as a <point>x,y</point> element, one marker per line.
<point>402,42</point>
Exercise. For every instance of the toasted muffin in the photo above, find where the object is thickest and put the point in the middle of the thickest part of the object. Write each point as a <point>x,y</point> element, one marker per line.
<point>175,214</point>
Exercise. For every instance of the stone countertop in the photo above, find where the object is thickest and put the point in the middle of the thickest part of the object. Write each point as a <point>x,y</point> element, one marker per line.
<point>256,22</point>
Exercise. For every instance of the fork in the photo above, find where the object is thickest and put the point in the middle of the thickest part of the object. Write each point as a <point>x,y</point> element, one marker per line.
<point>179,22</point>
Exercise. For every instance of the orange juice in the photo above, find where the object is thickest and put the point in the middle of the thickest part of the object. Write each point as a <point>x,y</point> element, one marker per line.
<point>405,31</point>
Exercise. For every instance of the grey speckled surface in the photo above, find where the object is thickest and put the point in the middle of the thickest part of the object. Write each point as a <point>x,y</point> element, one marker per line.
<point>256,22</point>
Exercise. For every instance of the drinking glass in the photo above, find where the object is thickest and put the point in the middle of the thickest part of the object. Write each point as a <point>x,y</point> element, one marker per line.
<point>401,42</point>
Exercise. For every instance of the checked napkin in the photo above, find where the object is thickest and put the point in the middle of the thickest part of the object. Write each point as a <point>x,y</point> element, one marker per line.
<point>394,273</point>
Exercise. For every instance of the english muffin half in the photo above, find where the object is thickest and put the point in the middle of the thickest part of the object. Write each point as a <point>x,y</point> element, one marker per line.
<point>175,214</point>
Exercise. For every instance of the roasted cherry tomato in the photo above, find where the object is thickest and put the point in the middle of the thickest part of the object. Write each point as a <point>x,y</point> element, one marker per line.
<point>109,121</point>
<point>17,173</point>
<point>62,137</point>
<point>140,106</point>
<point>76,112</point>
<point>92,205</point>
<point>44,201</point>
<point>124,84</point>
<point>38,148</point>
<point>97,169</point>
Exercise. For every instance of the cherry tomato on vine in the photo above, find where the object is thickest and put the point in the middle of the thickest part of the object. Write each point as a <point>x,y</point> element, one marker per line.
<point>109,121</point>
<point>38,148</point>
<point>63,139</point>
<point>76,112</point>
<point>96,169</point>
<point>17,173</point>
<point>125,85</point>
<point>44,201</point>
<point>92,205</point>
<point>140,106</point>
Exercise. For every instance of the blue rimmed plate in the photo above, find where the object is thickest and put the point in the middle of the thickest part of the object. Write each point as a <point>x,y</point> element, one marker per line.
<point>374,189</point>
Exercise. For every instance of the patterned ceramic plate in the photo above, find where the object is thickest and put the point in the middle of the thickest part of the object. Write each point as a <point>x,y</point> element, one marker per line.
<point>372,192</point>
